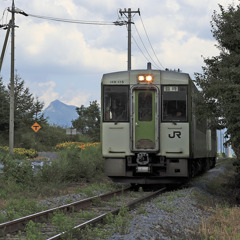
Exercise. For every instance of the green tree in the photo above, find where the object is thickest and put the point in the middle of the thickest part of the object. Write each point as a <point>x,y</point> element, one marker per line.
<point>26,108</point>
<point>4,111</point>
<point>220,80</point>
<point>88,121</point>
<point>37,111</point>
<point>4,106</point>
<point>26,111</point>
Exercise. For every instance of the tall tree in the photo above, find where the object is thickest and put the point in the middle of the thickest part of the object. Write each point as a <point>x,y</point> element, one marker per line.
<point>220,80</point>
<point>88,121</point>
<point>4,108</point>
<point>37,110</point>
<point>26,108</point>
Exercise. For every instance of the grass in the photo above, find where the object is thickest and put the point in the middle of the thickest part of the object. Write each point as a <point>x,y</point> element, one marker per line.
<point>74,171</point>
<point>33,231</point>
<point>19,202</point>
<point>119,223</point>
<point>94,188</point>
<point>224,222</point>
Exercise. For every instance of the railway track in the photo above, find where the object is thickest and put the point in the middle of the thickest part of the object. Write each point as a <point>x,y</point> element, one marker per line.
<point>93,211</point>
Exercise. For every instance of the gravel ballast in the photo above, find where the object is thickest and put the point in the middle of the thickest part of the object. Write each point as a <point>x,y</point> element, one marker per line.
<point>170,216</point>
<point>173,215</point>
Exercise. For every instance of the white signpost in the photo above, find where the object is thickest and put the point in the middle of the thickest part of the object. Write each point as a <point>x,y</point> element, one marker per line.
<point>71,131</point>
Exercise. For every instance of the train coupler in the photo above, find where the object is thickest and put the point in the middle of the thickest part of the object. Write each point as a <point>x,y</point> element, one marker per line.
<point>142,158</point>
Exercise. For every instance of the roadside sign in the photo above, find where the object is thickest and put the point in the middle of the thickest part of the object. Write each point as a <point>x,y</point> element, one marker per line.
<point>71,131</point>
<point>35,127</point>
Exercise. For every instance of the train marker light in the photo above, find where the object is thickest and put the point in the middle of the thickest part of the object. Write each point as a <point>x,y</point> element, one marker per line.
<point>141,78</point>
<point>145,78</point>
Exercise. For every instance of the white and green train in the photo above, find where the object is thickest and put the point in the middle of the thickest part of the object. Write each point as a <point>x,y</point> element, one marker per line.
<point>149,132</point>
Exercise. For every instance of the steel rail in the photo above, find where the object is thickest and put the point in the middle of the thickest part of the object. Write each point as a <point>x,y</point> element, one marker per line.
<point>100,218</point>
<point>20,223</point>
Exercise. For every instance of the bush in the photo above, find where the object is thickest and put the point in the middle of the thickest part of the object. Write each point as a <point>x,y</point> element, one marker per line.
<point>18,171</point>
<point>75,164</point>
<point>17,208</point>
<point>44,140</point>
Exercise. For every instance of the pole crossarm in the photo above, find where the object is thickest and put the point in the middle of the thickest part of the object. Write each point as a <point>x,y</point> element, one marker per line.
<point>17,10</point>
<point>127,11</point>
<point>4,26</point>
<point>120,23</point>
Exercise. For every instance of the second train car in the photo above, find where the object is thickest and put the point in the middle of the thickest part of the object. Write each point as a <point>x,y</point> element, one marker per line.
<point>149,131</point>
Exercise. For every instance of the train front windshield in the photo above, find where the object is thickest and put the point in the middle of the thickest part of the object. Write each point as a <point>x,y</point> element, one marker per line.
<point>116,104</point>
<point>174,103</point>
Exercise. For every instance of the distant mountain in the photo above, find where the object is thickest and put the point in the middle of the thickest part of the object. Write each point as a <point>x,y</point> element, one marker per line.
<point>60,114</point>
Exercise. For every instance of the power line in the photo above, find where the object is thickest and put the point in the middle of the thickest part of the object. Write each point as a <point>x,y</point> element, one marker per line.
<point>143,52</point>
<point>2,18</point>
<point>146,48</point>
<point>78,21</point>
<point>116,23</point>
<point>150,43</point>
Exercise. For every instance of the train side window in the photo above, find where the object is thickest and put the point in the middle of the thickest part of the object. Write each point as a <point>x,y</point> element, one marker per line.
<point>174,103</point>
<point>115,103</point>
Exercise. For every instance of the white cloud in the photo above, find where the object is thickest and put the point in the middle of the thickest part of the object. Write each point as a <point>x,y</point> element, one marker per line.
<point>78,100</point>
<point>187,54</point>
<point>173,5</point>
<point>206,4</point>
<point>47,93</point>
<point>68,5</point>
<point>65,46</point>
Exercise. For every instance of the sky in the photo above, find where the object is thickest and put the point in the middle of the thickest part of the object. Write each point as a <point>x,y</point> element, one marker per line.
<point>66,61</point>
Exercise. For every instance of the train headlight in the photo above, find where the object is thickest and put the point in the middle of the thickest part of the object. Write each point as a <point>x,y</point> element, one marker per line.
<point>145,78</point>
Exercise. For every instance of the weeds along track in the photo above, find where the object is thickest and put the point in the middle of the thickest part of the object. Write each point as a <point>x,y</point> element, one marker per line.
<point>69,221</point>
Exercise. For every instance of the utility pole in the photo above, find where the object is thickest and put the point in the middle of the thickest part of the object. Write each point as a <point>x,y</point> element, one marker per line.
<point>11,118</point>
<point>5,43</point>
<point>129,22</point>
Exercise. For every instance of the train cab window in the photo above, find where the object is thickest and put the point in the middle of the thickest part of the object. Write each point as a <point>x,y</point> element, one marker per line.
<point>115,102</point>
<point>174,103</point>
<point>145,106</point>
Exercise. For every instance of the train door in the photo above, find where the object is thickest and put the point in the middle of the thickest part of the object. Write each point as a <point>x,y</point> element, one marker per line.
<point>145,120</point>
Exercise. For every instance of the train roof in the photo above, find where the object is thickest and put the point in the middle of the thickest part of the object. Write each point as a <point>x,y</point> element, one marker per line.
<point>166,76</point>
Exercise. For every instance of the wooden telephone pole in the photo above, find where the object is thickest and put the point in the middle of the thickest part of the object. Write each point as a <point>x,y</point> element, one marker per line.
<point>128,14</point>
